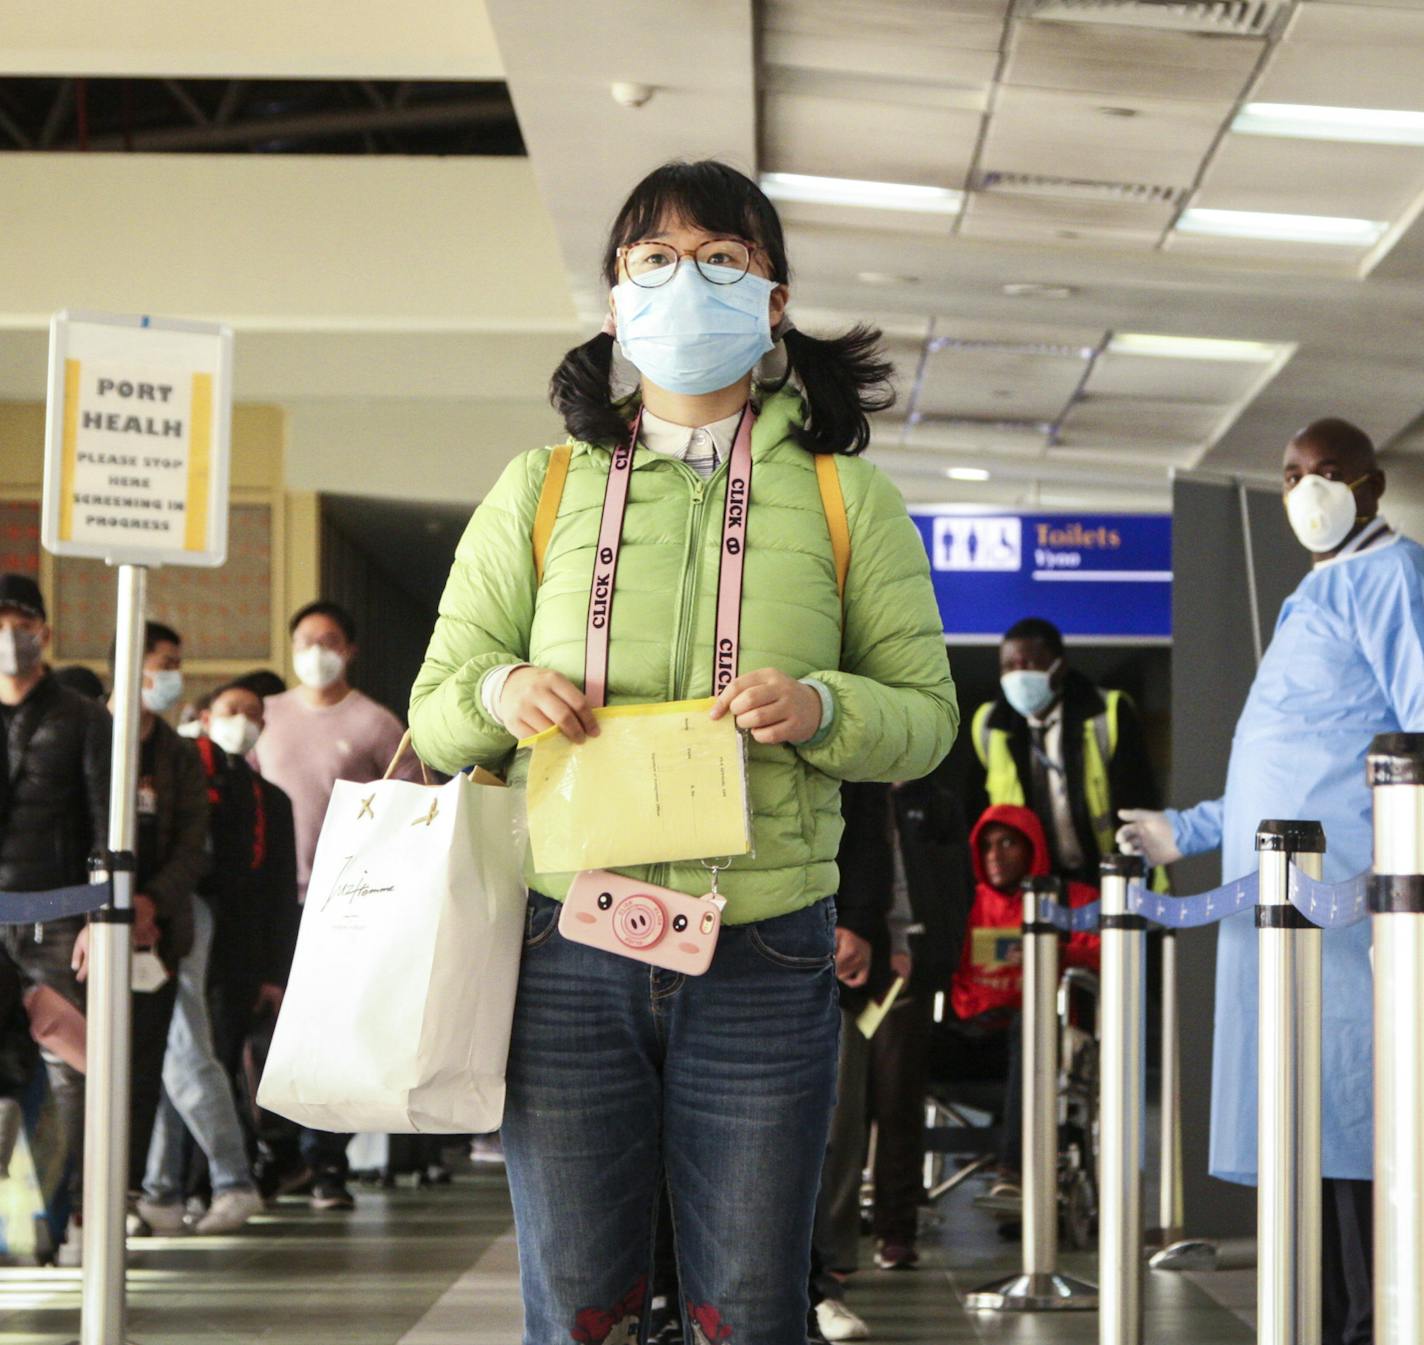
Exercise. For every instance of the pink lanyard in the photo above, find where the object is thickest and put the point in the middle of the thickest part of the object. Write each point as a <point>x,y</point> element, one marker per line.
<point>729,574</point>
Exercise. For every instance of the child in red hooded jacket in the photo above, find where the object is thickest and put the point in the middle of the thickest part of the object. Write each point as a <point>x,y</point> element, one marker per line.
<point>981,1041</point>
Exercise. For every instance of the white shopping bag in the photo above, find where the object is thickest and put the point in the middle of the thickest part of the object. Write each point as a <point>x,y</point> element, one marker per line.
<point>398,1009</point>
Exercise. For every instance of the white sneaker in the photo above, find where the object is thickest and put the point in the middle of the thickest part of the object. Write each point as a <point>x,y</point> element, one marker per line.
<point>229,1211</point>
<point>164,1220</point>
<point>838,1322</point>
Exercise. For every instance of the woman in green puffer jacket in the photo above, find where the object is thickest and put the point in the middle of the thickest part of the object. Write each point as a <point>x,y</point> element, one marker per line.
<point>623,1077</point>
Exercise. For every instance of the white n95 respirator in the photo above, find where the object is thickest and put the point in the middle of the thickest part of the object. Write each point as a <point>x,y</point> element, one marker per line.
<point>1322,512</point>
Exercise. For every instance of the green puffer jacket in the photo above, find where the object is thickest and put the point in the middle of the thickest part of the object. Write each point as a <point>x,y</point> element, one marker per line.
<point>895,707</point>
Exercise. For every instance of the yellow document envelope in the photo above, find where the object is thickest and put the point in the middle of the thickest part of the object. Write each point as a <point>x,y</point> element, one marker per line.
<point>659,783</point>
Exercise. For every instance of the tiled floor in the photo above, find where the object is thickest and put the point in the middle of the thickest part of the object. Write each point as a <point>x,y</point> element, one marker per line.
<point>438,1268</point>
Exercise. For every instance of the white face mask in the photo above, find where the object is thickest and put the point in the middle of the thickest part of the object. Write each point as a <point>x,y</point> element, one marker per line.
<point>1028,690</point>
<point>235,734</point>
<point>318,667</point>
<point>1322,512</point>
<point>165,693</point>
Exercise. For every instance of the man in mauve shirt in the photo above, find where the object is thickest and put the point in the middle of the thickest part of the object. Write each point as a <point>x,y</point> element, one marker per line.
<point>319,732</point>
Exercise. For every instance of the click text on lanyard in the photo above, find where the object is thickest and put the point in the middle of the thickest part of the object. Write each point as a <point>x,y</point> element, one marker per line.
<point>729,573</point>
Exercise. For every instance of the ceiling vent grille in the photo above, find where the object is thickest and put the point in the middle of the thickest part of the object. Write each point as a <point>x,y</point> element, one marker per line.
<point>1234,18</point>
<point>1051,349</point>
<point>1079,189</point>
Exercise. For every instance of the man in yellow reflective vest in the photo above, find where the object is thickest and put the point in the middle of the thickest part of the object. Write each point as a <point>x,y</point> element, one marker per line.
<point>1054,742</point>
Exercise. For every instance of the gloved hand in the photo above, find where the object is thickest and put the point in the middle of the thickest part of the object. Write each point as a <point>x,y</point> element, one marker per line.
<point>1148,834</point>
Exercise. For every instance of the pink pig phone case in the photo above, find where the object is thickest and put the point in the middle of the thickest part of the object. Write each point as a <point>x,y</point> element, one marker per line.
<point>643,921</point>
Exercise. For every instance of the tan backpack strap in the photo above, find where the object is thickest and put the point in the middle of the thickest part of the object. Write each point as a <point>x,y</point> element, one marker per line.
<point>550,494</point>
<point>828,478</point>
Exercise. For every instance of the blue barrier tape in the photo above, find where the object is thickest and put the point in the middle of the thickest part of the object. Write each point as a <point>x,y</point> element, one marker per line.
<point>1206,908</point>
<point>1070,919</point>
<point>1330,905</point>
<point>35,908</point>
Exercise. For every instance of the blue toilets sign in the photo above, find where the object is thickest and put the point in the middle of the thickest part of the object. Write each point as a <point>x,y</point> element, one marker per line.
<point>1095,576</point>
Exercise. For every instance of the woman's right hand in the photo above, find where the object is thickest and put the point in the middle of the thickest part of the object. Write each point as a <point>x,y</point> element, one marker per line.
<point>535,699</point>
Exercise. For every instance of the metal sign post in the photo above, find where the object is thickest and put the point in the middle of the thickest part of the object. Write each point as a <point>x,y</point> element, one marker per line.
<point>1039,1288</point>
<point>1396,776</point>
<point>136,474</point>
<point>109,1046</point>
<point>1120,1110</point>
<point>1288,1196</point>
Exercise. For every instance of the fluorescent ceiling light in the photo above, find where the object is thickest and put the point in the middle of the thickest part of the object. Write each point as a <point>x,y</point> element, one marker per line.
<point>854,191</point>
<point>1331,229</point>
<point>1192,348</point>
<point>1302,121</point>
<point>966,473</point>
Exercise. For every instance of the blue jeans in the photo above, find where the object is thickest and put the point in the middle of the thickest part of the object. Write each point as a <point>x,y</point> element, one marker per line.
<point>197,1093</point>
<point>622,1076</point>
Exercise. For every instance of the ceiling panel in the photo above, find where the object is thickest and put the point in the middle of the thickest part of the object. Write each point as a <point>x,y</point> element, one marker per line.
<point>976,328</point>
<point>951,25</point>
<point>986,439</point>
<point>877,88</point>
<point>999,383</point>
<point>1136,62</point>
<point>1345,55</point>
<point>1052,220</point>
<point>1066,135</point>
<point>1217,382</point>
<point>1253,254</point>
<point>1141,422</point>
<point>1313,177</point>
<point>880,142</point>
<point>937,64</point>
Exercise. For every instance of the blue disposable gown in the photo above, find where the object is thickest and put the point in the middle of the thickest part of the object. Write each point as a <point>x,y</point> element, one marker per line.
<point>1346,662</point>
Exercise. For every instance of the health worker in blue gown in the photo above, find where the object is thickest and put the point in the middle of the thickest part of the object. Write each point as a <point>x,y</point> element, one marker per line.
<point>1346,662</point>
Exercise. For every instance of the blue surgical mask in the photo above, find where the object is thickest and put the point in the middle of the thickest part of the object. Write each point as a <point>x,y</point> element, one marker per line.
<point>1029,691</point>
<point>691,336</point>
<point>165,693</point>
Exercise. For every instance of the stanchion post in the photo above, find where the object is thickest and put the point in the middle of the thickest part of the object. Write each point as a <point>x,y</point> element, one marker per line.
<point>1170,1213</point>
<point>1288,1193</point>
<point>1396,777</point>
<point>1177,1252</point>
<point>1039,1287</point>
<point>106,1092</point>
<point>1120,1109</point>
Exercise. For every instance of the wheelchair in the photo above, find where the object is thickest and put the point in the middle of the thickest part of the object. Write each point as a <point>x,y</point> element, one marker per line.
<point>953,1129</point>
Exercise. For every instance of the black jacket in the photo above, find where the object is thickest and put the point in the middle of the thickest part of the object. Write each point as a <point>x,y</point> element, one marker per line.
<point>1130,776</point>
<point>54,790</point>
<point>867,882</point>
<point>251,884</point>
<point>934,845</point>
<point>182,858</point>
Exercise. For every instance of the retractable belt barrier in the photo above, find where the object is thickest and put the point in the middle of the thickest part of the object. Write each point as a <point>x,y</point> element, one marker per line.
<point>1395,766</point>
<point>58,903</point>
<point>1039,1287</point>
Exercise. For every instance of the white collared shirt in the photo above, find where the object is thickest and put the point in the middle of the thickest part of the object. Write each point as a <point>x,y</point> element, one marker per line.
<point>702,449</point>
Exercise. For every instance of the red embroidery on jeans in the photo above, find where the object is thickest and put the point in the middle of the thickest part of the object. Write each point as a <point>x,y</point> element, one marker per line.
<point>707,1324</point>
<point>594,1326</point>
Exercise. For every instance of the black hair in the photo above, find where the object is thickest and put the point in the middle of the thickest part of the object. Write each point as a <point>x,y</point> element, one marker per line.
<point>1036,628</point>
<point>262,680</point>
<point>332,610</point>
<point>237,684</point>
<point>155,633</point>
<point>844,378</point>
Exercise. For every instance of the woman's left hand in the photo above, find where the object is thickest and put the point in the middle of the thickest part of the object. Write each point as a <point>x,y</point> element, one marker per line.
<point>773,707</point>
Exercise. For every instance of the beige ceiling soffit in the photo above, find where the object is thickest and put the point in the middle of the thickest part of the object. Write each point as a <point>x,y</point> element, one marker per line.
<point>1243,404</point>
<point>1238,18</point>
<point>1397,229</point>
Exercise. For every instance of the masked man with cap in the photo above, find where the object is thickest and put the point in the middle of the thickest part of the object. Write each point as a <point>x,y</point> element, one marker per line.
<point>1346,662</point>
<point>54,804</point>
